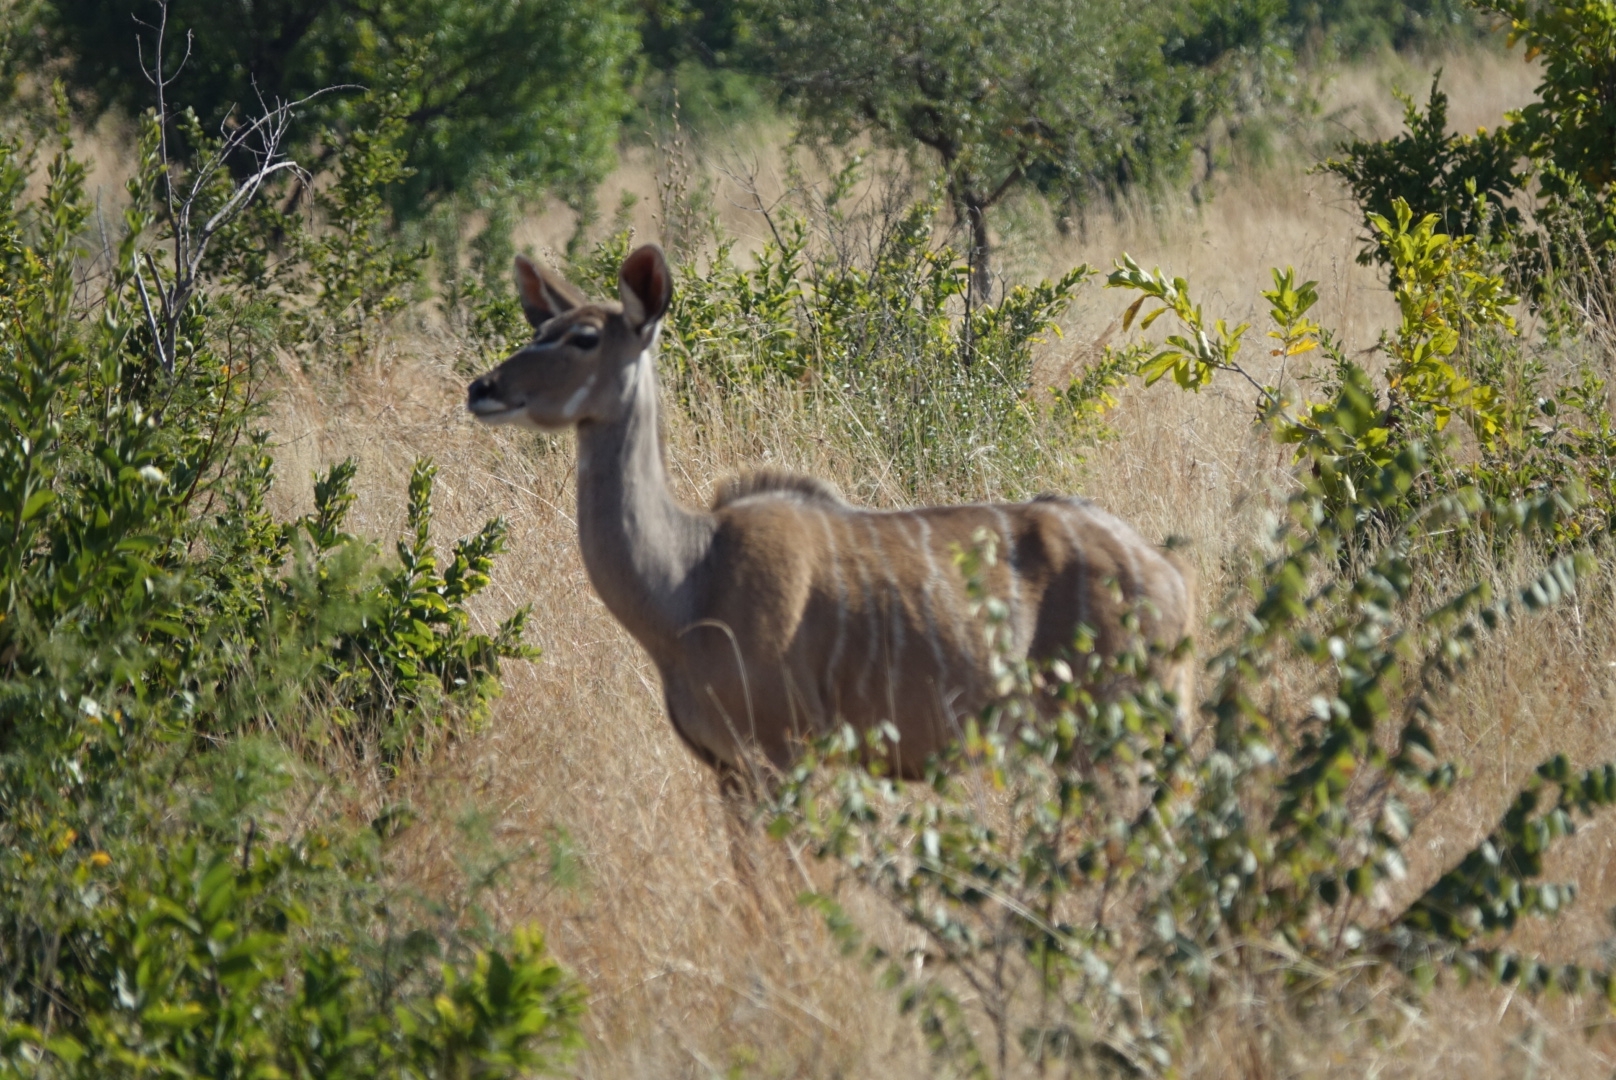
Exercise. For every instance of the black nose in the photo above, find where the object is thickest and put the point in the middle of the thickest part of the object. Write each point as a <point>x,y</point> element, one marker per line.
<point>482,388</point>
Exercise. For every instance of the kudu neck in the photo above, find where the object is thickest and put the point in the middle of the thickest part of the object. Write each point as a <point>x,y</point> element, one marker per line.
<point>640,547</point>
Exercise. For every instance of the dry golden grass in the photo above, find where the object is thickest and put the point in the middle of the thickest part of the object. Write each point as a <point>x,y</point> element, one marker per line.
<point>690,974</point>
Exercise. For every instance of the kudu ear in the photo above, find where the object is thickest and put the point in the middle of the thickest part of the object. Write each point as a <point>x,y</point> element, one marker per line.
<point>543,294</point>
<point>645,285</point>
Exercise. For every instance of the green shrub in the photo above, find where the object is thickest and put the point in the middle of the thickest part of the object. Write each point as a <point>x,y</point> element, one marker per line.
<point>413,666</point>
<point>1567,133</point>
<point>1336,30</point>
<point>871,320</point>
<point>1449,303</point>
<point>1466,181</point>
<point>1072,103</point>
<point>1567,136</point>
<point>196,969</point>
<point>1097,890</point>
<point>474,105</point>
<point>1089,889</point>
<point>361,269</point>
<point>166,650</point>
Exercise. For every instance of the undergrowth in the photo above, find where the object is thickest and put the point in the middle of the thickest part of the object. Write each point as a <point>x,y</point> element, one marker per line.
<point>175,667</point>
<point>1086,889</point>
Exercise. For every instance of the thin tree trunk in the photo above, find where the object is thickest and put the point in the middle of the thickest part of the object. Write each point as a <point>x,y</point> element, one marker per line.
<point>981,254</point>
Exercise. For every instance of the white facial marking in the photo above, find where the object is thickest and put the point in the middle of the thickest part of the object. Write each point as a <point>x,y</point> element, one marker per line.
<point>502,416</point>
<point>643,378</point>
<point>569,411</point>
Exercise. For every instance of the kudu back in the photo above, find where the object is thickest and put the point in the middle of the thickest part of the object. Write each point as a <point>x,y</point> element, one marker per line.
<point>783,610</point>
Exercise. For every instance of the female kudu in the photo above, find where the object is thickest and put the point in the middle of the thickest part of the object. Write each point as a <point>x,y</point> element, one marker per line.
<point>783,610</point>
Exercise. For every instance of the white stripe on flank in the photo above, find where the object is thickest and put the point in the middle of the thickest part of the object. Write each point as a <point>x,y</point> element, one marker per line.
<point>833,673</point>
<point>1007,557</point>
<point>893,609</point>
<point>941,586</point>
<point>929,614</point>
<point>1128,546</point>
<point>1181,587</point>
<point>873,617</point>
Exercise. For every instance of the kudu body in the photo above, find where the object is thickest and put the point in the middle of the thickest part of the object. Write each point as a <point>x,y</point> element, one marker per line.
<point>783,610</point>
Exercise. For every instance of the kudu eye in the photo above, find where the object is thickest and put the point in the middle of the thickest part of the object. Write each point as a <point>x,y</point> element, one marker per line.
<point>584,338</point>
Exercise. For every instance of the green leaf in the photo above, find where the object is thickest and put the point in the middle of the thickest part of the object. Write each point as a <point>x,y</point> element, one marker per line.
<point>37,503</point>
<point>183,1016</point>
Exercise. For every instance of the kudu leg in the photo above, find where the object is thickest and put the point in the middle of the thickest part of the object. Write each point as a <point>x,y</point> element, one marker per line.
<point>760,906</point>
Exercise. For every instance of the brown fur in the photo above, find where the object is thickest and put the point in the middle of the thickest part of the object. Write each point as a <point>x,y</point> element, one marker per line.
<point>818,612</point>
<point>773,482</point>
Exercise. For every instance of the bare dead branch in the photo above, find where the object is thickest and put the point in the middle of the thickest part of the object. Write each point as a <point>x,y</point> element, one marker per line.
<point>261,138</point>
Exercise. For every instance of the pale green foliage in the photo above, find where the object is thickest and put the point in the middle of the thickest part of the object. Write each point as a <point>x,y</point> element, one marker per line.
<point>362,272</point>
<point>1466,180</point>
<point>869,318</point>
<point>1566,131</point>
<point>414,668</point>
<point>1095,888</point>
<point>1449,299</point>
<point>1192,359</point>
<point>199,973</point>
<point>528,93</point>
<point>1444,291</point>
<point>1554,158</point>
<point>1090,889</point>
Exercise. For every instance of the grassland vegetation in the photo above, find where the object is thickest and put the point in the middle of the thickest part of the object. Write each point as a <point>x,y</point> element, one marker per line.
<point>1555,154</point>
<point>1087,888</point>
<point>263,810</point>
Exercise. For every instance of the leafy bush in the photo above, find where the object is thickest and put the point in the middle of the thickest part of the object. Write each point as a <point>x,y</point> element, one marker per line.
<point>1567,132</point>
<point>1466,181</point>
<point>1339,29</point>
<point>196,970</point>
<point>1098,890</point>
<point>871,319</point>
<point>1566,136</point>
<point>1449,305</point>
<point>1090,890</point>
<point>361,270</point>
<point>163,645</point>
<point>413,665</point>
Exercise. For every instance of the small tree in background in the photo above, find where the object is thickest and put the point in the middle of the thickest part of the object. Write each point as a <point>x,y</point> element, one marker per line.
<point>1073,99</point>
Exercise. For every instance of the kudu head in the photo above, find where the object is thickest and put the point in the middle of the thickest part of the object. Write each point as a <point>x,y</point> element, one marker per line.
<point>582,361</point>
